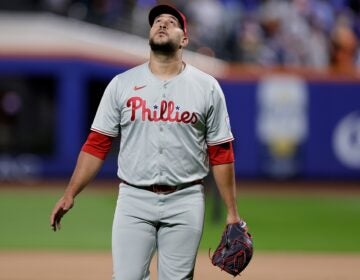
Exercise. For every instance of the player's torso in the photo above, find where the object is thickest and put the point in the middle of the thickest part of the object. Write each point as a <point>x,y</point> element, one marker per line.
<point>163,124</point>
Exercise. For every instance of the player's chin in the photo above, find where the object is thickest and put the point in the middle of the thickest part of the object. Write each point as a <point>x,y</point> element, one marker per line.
<point>159,39</point>
<point>163,46</point>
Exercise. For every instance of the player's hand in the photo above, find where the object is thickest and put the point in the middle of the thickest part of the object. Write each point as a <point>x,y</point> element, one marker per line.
<point>61,208</point>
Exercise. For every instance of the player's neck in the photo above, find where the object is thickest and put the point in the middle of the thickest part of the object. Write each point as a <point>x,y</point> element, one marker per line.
<point>165,68</point>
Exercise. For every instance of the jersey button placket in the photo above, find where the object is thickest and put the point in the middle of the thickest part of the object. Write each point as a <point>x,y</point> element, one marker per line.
<point>162,162</point>
<point>164,90</point>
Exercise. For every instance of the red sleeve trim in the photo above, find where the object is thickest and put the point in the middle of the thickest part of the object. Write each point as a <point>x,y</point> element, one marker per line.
<point>104,132</point>
<point>97,144</point>
<point>221,154</point>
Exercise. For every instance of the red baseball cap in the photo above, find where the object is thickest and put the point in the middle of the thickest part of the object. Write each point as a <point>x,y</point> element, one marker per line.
<point>166,9</point>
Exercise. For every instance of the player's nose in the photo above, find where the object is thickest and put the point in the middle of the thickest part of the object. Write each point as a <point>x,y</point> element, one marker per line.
<point>163,26</point>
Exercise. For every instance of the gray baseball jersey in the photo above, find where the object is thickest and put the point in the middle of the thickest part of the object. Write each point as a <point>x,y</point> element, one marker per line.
<point>165,126</point>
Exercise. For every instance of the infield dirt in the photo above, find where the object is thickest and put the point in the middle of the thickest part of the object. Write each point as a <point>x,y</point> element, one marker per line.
<point>97,266</point>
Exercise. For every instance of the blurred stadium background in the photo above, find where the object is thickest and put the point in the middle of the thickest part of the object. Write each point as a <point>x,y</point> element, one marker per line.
<point>290,71</point>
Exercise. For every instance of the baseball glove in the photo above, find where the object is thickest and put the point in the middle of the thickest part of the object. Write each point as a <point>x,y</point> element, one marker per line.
<point>235,249</point>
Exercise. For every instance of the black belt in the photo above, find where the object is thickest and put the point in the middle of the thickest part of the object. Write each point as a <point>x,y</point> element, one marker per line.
<point>165,189</point>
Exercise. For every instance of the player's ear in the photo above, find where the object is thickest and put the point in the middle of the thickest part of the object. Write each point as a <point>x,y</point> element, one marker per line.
<point>184,42</point>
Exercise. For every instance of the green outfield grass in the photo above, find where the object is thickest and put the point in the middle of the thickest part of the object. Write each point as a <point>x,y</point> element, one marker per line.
<point>277,223</point>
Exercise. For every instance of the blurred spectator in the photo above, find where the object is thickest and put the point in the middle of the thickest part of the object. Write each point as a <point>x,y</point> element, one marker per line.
<point>271,18</point>
<point>318,46</point>
<point>139,17</point>
<point>344,48</point>
<point>206,18</point>
<point>249,42</point>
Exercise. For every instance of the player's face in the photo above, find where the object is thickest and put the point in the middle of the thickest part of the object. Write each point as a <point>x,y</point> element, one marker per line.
<point>166,34</point>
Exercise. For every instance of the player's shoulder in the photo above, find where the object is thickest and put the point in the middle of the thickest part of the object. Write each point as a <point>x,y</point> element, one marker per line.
<point>125,79</point>
<point>132,72</point>
<point>200,75</point>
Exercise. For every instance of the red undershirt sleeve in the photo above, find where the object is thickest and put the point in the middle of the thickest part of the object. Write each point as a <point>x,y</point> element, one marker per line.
<point>97,144</point>
<point>221,154</point>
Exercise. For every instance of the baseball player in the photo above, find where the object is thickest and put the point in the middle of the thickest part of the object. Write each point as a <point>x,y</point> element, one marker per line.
<point>173,123</point>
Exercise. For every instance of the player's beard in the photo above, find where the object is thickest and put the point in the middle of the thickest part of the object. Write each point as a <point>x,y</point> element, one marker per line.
<point>167,47</point>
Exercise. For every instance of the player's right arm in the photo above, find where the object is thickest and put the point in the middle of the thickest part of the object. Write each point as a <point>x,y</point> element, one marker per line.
<point>87,167</point>
<point>90,160</point>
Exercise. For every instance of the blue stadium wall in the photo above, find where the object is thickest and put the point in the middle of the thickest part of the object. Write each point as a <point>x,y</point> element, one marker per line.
<point>332,116</point>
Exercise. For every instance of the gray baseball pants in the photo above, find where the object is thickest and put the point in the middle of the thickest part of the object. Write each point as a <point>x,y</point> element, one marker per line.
<point>146,222</point>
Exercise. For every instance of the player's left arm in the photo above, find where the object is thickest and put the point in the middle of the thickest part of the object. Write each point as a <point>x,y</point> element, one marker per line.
<point>225,182</point>
<point>222,163</point>
<point>221,155</point>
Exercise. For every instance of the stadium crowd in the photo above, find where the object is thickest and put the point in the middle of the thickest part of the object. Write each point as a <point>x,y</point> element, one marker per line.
<point>298,33</point>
